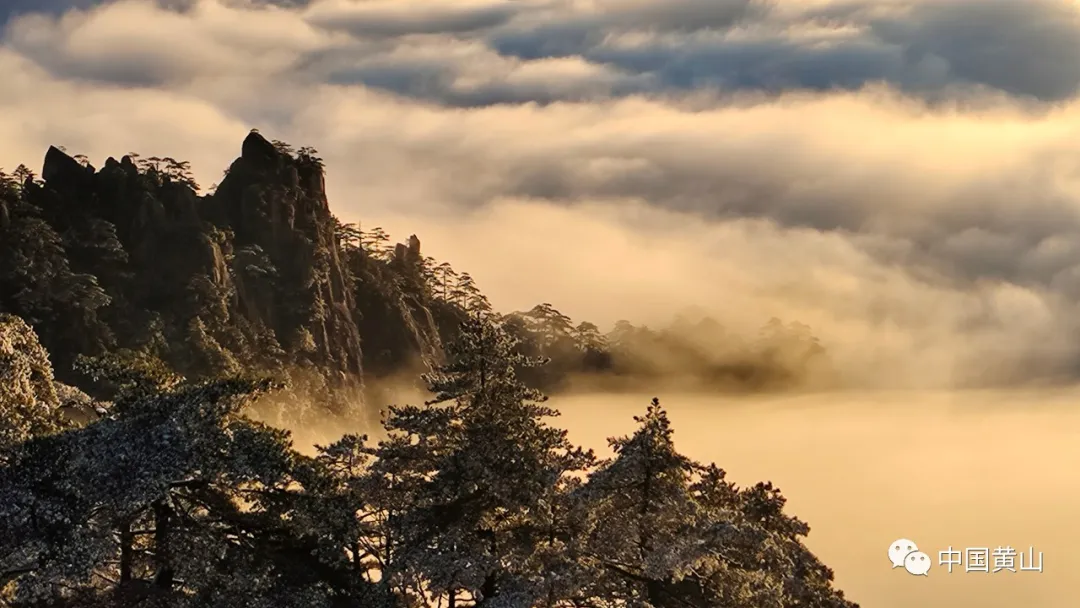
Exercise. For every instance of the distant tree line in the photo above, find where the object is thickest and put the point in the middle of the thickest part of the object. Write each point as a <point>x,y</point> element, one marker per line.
<point>695,350</point>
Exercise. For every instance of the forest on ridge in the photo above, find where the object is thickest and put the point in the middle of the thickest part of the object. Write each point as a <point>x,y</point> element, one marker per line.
<point>142,321</point>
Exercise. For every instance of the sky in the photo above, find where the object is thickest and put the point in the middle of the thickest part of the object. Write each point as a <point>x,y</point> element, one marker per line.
<point>901,176</point>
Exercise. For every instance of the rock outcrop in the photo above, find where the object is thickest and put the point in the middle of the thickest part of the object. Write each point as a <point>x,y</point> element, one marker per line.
<point>277,204</point>
<point>251,277</point>
<point>132,263</point>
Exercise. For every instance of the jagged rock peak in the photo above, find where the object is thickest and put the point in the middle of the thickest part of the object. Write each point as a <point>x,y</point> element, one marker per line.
<point>257,149</point>
<point>409,252</point>
<point>59,165</point>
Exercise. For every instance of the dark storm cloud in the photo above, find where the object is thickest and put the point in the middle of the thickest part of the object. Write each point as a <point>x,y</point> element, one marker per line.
<point>475,77</point>
<point>769,65</point>
<point>1024,48</point>
<point>932,49</point>
<point>935,50</point>
<point>564,34</point>
<point>13,8</point>
<point>1021,48</point>
<point>385,20</point>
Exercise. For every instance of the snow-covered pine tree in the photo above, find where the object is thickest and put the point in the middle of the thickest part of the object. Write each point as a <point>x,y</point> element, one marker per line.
<point>666,532</point>
<point>642,521</point>
<point>29,406</point>
<point>486,478</point>
<point>174,498</point>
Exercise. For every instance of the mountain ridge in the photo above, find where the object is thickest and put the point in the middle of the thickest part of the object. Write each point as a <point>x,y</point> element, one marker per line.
<point>131,260</point>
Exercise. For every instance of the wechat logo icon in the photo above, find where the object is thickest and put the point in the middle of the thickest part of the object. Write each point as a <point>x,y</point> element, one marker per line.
<point>904,553</point>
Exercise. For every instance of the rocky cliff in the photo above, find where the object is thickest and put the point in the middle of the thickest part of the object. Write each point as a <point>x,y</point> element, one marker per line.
<point>130,260</point>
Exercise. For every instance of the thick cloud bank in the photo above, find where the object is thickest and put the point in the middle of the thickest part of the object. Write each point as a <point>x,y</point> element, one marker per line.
<point>901,176</point>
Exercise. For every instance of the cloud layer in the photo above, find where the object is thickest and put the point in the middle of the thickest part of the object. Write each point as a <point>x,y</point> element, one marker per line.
<point>901,176</point>
<point>483,52</point>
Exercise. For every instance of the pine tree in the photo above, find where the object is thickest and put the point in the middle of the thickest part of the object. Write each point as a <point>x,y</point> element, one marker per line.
<point>374,243</point>
<point>446,278</point>
<point>173,497</point>
<point>28,400</point>
<point>664,531</point>
<point>485,476</point>
<point>550,323</point>
<point>642,517</point>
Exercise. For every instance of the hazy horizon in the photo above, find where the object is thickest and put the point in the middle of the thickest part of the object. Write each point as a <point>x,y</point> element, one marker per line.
<point>959,469</point>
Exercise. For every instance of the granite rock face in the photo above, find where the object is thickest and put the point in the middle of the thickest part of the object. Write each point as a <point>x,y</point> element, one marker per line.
<point>131,258</point>
<point>277,204</point>
<point>132,262</point>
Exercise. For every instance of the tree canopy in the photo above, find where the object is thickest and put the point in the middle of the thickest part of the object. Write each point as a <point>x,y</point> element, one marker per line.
<point>175,497</point>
